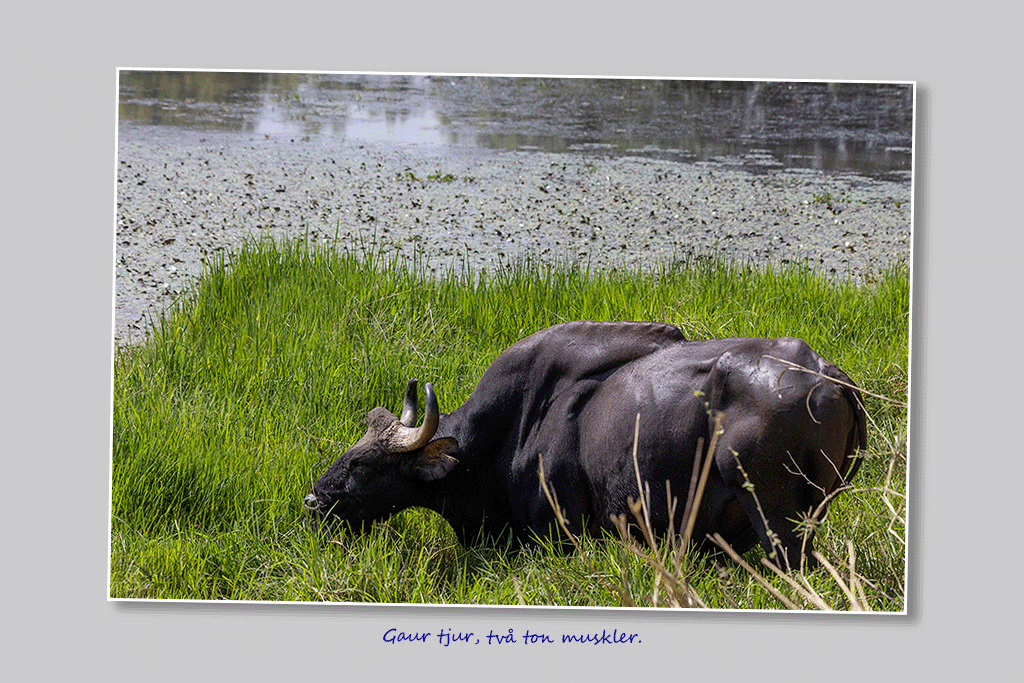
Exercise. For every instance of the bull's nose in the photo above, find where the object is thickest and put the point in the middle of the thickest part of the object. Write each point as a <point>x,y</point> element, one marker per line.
<point>311,502</point>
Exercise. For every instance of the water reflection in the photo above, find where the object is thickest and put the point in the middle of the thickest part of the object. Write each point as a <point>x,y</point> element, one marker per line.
<point>858,127</point>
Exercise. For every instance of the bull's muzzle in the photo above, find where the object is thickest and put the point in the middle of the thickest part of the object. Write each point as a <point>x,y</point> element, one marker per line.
<point>311,503</point>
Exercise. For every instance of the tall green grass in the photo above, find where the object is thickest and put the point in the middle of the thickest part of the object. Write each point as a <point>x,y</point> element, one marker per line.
<point>251,385</point>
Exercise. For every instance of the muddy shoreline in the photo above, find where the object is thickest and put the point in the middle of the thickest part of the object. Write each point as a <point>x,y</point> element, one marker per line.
<point>183,195</point>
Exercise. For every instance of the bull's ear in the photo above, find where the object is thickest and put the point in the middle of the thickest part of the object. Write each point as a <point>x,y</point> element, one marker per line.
<point>434,461</point>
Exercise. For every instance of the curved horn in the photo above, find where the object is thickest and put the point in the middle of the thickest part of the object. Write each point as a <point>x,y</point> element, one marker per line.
<point>403,439</point>
<point>409,410</point>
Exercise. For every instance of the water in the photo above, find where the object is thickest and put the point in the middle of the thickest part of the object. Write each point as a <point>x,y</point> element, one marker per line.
<point>863,128</point>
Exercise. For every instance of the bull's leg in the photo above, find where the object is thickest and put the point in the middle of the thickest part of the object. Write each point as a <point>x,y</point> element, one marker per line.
<point>770,496</point>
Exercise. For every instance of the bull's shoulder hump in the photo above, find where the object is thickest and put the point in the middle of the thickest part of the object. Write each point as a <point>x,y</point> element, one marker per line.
<point>584,348</point>
<point>597,337</point>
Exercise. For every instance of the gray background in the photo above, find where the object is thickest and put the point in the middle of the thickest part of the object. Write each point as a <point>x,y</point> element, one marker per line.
<point>58,184</point>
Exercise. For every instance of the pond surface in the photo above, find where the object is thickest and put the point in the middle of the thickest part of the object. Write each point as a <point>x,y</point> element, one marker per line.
<point>864,128</point>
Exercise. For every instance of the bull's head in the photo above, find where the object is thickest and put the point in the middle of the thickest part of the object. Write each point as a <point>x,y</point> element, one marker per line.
<point>389,469</point>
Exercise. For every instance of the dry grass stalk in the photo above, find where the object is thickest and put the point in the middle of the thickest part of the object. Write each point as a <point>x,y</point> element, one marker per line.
<point>735,557</point>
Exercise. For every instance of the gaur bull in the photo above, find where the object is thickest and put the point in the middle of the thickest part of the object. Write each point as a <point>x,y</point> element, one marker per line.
<point>790,427</point>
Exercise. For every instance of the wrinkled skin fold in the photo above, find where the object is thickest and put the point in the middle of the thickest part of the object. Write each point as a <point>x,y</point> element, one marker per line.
<point>792,426</point>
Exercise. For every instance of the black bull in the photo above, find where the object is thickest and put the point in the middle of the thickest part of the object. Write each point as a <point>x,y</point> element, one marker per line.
<point>791,425</point>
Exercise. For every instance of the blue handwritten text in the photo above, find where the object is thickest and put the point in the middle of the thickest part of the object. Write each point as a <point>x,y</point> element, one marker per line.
<point>447,637</point>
